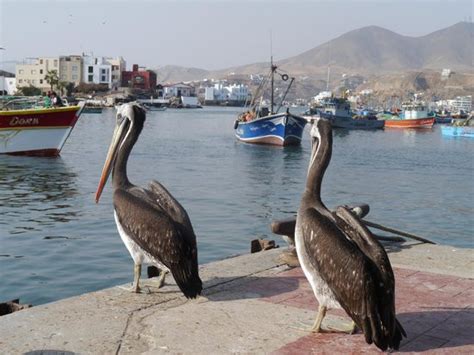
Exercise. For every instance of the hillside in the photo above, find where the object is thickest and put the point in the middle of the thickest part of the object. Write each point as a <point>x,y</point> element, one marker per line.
<point>367,58</point>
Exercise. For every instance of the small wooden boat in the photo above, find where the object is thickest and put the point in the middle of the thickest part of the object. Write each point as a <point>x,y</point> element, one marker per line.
<point>92,109</point>
<point>28,128</point>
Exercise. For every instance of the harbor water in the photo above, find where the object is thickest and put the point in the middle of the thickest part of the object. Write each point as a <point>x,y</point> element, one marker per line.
<point>55,241</point>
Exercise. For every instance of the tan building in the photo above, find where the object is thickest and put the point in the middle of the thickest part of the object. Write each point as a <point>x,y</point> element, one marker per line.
<point>70,69</point>
<point>118,66</point>
<point>33,72</point>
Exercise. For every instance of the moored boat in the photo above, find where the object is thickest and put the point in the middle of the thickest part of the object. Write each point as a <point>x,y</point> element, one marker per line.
<point>414,115</point>
<point>459,129</point>
<point>278,129</point>
<point>27,128</point>
<point>92,109</point>
<point>338,112</point>
<point>261,125</point>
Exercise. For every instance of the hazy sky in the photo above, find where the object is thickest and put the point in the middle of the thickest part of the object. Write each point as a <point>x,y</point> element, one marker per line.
<point>204,34</point>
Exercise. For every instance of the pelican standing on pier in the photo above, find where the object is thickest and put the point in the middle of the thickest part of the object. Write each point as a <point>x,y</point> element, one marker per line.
<point>344,263</point>
<point>153,225</point>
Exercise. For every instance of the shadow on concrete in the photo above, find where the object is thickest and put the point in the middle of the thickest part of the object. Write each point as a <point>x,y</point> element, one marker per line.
<point>443,328</point>
<point>251,287</point>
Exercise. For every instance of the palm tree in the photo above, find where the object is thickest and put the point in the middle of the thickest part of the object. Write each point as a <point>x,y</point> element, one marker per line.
<point>52,78</point>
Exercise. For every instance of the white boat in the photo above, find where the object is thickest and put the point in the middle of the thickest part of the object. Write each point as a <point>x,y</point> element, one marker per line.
<point>155,108</point>
<point>28,128</point>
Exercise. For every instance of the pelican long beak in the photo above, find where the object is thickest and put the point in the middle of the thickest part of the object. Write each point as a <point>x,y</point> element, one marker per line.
<point>111,154</point>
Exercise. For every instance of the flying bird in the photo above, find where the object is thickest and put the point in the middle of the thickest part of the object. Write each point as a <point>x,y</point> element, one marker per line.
<point>345,264</point>
<point>153,225</point>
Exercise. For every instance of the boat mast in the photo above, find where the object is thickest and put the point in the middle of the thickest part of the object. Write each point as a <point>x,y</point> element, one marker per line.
<point>273,68</point>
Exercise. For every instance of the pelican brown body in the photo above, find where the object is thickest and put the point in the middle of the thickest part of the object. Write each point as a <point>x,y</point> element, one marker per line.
<point>153,225</point>
<point>344,263</point>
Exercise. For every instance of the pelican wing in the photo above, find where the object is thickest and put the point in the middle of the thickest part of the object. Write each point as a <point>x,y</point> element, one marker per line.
<point>356,231</point>
<point>170,242</point>
<point>354,278</point>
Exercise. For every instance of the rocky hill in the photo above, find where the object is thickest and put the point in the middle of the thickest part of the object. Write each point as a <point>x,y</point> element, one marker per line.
<point>369,57</point>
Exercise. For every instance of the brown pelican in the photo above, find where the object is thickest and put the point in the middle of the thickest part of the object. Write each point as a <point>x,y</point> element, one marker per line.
<point>153,225</point>
<point>344,263</point>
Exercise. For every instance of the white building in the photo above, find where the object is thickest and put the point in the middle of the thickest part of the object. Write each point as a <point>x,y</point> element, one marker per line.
<point>176,90</point>
<point>461,103</point>
<point>7,85</point>
<point>322,95</point>
<point>97,70</point>
<point>221,92</point>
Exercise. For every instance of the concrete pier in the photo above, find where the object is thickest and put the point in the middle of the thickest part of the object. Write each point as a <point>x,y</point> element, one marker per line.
<point>251,304</point>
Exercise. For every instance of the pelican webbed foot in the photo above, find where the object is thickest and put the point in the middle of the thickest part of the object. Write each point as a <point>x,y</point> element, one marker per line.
<point>316,328</point>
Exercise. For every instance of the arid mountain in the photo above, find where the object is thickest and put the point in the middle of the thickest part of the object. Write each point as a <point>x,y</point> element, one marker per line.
<point>174,73</point>
<point>373,58</point>
<point>366,51</point>
<point>376,50</point>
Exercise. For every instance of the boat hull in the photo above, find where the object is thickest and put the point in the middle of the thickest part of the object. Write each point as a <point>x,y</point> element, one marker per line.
<point>351,123</point>
<point>280,129</point>
<point>37,132</point>
<point>410,123</point>
<point>460,131</point>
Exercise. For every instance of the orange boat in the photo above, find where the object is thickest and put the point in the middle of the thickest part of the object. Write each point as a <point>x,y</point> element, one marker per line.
<point>414,115</point>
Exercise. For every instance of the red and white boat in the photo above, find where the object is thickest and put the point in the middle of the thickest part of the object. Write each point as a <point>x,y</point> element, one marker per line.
<point>26,128</point>
<point>414,115</point>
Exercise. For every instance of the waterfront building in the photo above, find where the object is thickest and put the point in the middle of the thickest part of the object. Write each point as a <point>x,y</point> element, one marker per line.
<point>118,66</point>
<point>139,78</point>
<point>33,71</point>
<point>97,70</point>
<point>179,89</point>
<point>322,96</point>
<point>221,94</point>
<point>461,103</point>
<point>70,69</point>
<point>7,84</point>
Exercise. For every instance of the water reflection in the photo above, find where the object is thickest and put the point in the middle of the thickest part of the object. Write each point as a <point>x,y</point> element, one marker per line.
<point>35,193</point>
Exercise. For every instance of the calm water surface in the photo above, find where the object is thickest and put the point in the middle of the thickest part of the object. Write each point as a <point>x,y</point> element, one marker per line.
<point>56,242</point>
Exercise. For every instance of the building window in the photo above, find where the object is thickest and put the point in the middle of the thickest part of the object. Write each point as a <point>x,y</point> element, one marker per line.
<point>20,71</point>
<point>114,77</point>
<point>20,81</point>
<point>41,81</point>
<point>74,77</point>
<point>102,71</point>
<point>55,63</point>
<point>41,61</point>
<point>91,78</point>
<point>91,69</point>
<point>104,78</point>
<point>41,71</point>
<point>74,68</point>
<point>33,81</point>
<point>33,71</point>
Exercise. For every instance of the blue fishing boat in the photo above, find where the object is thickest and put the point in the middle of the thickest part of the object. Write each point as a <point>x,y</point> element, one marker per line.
<point>459,129</point>
<point>262,125</point>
